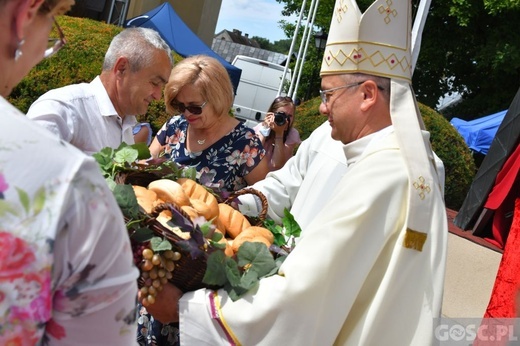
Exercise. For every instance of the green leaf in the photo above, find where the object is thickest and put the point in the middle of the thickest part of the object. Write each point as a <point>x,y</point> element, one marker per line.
<point>125,197</point>
<point>142,235</point>
<point>126,155</point>
<point>249,280</point>
<point>233,273</point>
<point>257,256</point>
<point>291,226</point>
<point>143,152</point>
<point>277,231</point>
<point>160,244</point>
<point>216,269</point>
<point>24,199</point>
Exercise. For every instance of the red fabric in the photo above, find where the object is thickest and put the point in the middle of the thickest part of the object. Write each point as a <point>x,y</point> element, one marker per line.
<point>502,198</point>
<point>507,284</point>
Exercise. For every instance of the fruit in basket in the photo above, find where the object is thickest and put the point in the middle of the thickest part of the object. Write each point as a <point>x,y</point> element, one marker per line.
<point>156,269</point>
<point>169,191</point>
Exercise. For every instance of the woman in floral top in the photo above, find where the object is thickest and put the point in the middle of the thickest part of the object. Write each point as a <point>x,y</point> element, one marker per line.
<point>66,270</point>
<point>225,153</point>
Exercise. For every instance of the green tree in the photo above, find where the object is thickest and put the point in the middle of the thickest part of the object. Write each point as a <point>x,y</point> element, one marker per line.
<point>468,47</point>
<point>263,42</point>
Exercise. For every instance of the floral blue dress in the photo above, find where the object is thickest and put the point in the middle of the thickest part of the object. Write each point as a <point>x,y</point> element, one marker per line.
<point>223,165</point>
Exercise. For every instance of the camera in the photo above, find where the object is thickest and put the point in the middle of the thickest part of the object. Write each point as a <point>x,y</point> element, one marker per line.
<point>280,118</point>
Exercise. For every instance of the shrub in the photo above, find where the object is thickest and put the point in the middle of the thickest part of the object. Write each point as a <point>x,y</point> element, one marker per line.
<point>447,143</point>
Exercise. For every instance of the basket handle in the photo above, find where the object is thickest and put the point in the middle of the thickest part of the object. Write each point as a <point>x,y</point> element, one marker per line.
<point>263,213</point>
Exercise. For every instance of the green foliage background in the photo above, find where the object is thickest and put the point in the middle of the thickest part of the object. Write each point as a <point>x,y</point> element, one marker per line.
<point>81,60</point>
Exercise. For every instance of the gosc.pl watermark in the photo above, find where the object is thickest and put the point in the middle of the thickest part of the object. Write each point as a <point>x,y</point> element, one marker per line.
<point>476,331</point>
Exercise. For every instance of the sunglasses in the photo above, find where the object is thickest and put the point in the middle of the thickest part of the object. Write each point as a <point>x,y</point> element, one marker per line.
<point>55,44</point>
<point>195,110</point>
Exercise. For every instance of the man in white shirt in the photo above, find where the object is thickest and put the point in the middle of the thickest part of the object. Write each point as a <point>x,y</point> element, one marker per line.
<point>102,113</point>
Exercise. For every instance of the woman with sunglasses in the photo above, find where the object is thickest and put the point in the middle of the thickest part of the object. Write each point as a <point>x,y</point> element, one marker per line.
<point>277,133</point>
<point>202,134</point>
<point>66,268</point>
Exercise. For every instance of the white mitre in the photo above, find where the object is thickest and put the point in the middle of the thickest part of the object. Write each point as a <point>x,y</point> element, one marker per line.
<point>378,42</point>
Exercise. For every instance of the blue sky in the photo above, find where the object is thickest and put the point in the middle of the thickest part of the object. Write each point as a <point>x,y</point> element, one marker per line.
<point>253,17</point>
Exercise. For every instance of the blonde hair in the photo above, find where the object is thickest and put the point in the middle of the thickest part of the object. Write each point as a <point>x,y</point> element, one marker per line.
<point>206,74</point>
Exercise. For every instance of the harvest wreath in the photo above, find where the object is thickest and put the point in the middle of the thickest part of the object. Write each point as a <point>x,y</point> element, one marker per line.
<point>185,233</point>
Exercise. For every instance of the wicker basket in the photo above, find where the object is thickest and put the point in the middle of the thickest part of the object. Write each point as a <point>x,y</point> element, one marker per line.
<point>189,271</point>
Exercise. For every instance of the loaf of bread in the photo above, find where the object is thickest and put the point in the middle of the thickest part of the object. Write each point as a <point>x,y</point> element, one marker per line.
<point>169,191</point>
<point>145,198</point>
<point>252,234</point>
<point>202,208</point>
<point>232,220</point>
<point>196,191</point>
<point>190,211</point>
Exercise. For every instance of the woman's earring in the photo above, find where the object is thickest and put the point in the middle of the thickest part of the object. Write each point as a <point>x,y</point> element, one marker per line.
<point>18,53</point>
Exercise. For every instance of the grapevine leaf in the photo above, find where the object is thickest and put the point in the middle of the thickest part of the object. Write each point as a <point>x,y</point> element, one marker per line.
<point>125,197</point>
<point>142,235</point>
<point>216,269</point>
<point>279,238</point>
<point>249,280</point>
<point>104,160</point>
<point>142,150</point>
<point>160,244</point>
<point>111,184</point>
<point>235,292</point>
<point>257,257</point>
<point>291,226</point>
<point>126,155</point>
<point>278,263</point>
<point>233,273</point>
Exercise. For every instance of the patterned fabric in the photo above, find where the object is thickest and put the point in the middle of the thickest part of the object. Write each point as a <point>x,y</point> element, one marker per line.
<point>224,164</point>
<point>66,266</point>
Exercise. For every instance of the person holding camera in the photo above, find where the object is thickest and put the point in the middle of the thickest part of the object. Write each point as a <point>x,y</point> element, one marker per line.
<point>277,134</point>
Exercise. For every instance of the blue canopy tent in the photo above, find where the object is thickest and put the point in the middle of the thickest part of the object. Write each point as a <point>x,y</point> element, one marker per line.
<point>179,36</point>
<point>479,133</point>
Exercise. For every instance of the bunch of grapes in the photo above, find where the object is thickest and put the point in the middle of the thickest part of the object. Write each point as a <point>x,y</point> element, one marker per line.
<point>156,270</point>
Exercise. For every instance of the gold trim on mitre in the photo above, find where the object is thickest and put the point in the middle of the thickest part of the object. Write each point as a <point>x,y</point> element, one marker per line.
<point>377,42</point>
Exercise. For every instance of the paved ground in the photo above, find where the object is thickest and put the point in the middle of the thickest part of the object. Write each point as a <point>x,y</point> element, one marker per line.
<point>470,274</point>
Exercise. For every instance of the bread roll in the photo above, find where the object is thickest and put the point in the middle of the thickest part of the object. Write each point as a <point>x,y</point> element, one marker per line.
<point>251,235</point>
<point>196,191</point>
<point>202,208</point>
<point>232,220</point>
<point>192,213</point>
<point>169,191</point>
<point>145,197</point>
<point>261,231</point>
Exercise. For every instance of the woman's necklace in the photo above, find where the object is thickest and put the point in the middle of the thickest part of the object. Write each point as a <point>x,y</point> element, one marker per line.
<point>201,141</point>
